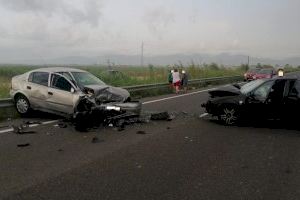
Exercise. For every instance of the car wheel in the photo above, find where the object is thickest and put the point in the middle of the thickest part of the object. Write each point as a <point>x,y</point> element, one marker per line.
<point>22,105</point>
<point>228,115</point>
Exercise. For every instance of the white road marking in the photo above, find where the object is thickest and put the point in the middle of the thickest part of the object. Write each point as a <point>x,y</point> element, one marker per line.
<point>174,97</point>
<point>147,102</point>
<point>31,125</point>
<point>203,115</point>
<point>6,130</point>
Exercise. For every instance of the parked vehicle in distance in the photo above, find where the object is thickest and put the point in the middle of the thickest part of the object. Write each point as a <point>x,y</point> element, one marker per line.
<point>277,98</point>
<point>66,92</point>
<point>248,76</point>
<point>265,73</point>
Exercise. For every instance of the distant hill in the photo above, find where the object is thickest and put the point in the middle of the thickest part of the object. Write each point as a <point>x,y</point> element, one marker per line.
<point>224,59</point>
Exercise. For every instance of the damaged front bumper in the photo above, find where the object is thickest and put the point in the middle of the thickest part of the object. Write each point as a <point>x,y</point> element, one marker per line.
<point>88,106</point>
<point>133,107</point>
<point>210,108</point>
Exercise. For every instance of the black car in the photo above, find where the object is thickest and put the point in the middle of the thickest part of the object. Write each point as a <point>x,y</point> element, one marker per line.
<point>277,98</point>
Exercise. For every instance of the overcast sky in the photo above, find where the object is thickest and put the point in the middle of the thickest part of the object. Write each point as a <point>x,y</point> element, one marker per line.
<point>54,28</point>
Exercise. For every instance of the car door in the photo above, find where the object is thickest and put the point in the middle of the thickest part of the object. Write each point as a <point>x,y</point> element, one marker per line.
<point>292,101</point>
<point>37,88</point>
<point>255,104</point>
<point>275,99</point>
<point>62,96</point>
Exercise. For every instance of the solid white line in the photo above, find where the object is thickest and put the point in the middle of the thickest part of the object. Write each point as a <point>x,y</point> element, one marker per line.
<point>182,95</point>
<point>31,125</point>
<point>203,115</point>
<point>7,130</point>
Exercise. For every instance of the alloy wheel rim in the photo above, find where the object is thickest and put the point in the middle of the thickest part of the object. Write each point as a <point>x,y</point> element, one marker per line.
<point>22,105</point>
<point>228,116</point>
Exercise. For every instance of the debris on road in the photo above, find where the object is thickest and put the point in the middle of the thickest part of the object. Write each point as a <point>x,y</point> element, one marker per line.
<point>86,121</point>
<point>61,125</point>
<point>140,132</point>
<point>21,129</point>
<point>96,140</point>
<point>23,145</point>
<point>32,122</point>
<point>160,116</point>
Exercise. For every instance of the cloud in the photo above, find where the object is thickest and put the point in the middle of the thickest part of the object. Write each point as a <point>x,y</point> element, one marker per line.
<point>88,11</point>
<point>158,20</point>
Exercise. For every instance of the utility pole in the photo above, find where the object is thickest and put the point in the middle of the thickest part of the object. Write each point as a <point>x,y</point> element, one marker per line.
<point>142,54</point>
<point>248,61</point>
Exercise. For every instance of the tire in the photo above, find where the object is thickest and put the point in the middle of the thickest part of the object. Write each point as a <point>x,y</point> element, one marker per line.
<point>228,115</point>
<point>22,105</point>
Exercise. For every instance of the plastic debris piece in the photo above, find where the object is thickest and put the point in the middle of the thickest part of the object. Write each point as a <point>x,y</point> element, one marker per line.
<point>140,132</point>
<point>96,140</point>
<point>171,117</point>
<point>62,125</point>
<point>32,122</point>
<point>20,129</point>
<point>23,145</point>
<point>160,116</point>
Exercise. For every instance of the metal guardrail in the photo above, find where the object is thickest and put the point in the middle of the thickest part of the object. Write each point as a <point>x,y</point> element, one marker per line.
<point>4,103</point>
<point>191,82</point>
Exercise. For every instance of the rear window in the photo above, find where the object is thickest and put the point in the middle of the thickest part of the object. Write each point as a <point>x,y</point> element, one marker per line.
<point>253,70</point>
<point>40,78</point>
<point>296,89</point>
<point>266,71</point>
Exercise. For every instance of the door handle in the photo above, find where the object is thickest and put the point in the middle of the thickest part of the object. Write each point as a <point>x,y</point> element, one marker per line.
<point>50,93</point>
<point>28,87</point>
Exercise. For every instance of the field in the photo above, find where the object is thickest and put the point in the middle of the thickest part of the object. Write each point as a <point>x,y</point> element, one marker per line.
<point>126,75</point>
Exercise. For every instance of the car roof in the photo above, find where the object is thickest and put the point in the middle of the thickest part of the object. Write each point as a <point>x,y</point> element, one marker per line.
<point>285,78</point>
<point>57,69</point>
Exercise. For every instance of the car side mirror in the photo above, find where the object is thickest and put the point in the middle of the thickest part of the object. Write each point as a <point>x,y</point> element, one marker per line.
<point>251,96</point>
<point>237,85</point>
<point>72,90</point>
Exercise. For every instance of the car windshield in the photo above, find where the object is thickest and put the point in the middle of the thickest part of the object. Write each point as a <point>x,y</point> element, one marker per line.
<point>85,78</point>
<point>251,85</point>
<point>253,70</point>
<point>265,71</point>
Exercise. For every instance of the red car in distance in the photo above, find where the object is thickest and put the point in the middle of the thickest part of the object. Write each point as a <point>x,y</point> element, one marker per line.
<point>265,73</point>
<point>248,76</point>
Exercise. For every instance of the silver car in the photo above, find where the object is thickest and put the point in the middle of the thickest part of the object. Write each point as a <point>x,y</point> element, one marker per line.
<point>67,91</point>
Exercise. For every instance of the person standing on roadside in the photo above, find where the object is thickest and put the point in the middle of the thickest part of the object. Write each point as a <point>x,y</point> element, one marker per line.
<point>170,78</point>
<point>184,80</point>
<point>176,80</point>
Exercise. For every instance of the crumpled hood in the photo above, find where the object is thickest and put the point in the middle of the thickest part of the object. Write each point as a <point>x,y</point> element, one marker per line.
<point>226,91</point>
<point>107,93</point>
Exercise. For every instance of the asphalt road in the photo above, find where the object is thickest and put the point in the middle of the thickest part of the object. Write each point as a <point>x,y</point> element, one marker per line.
<point>186,158</point>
